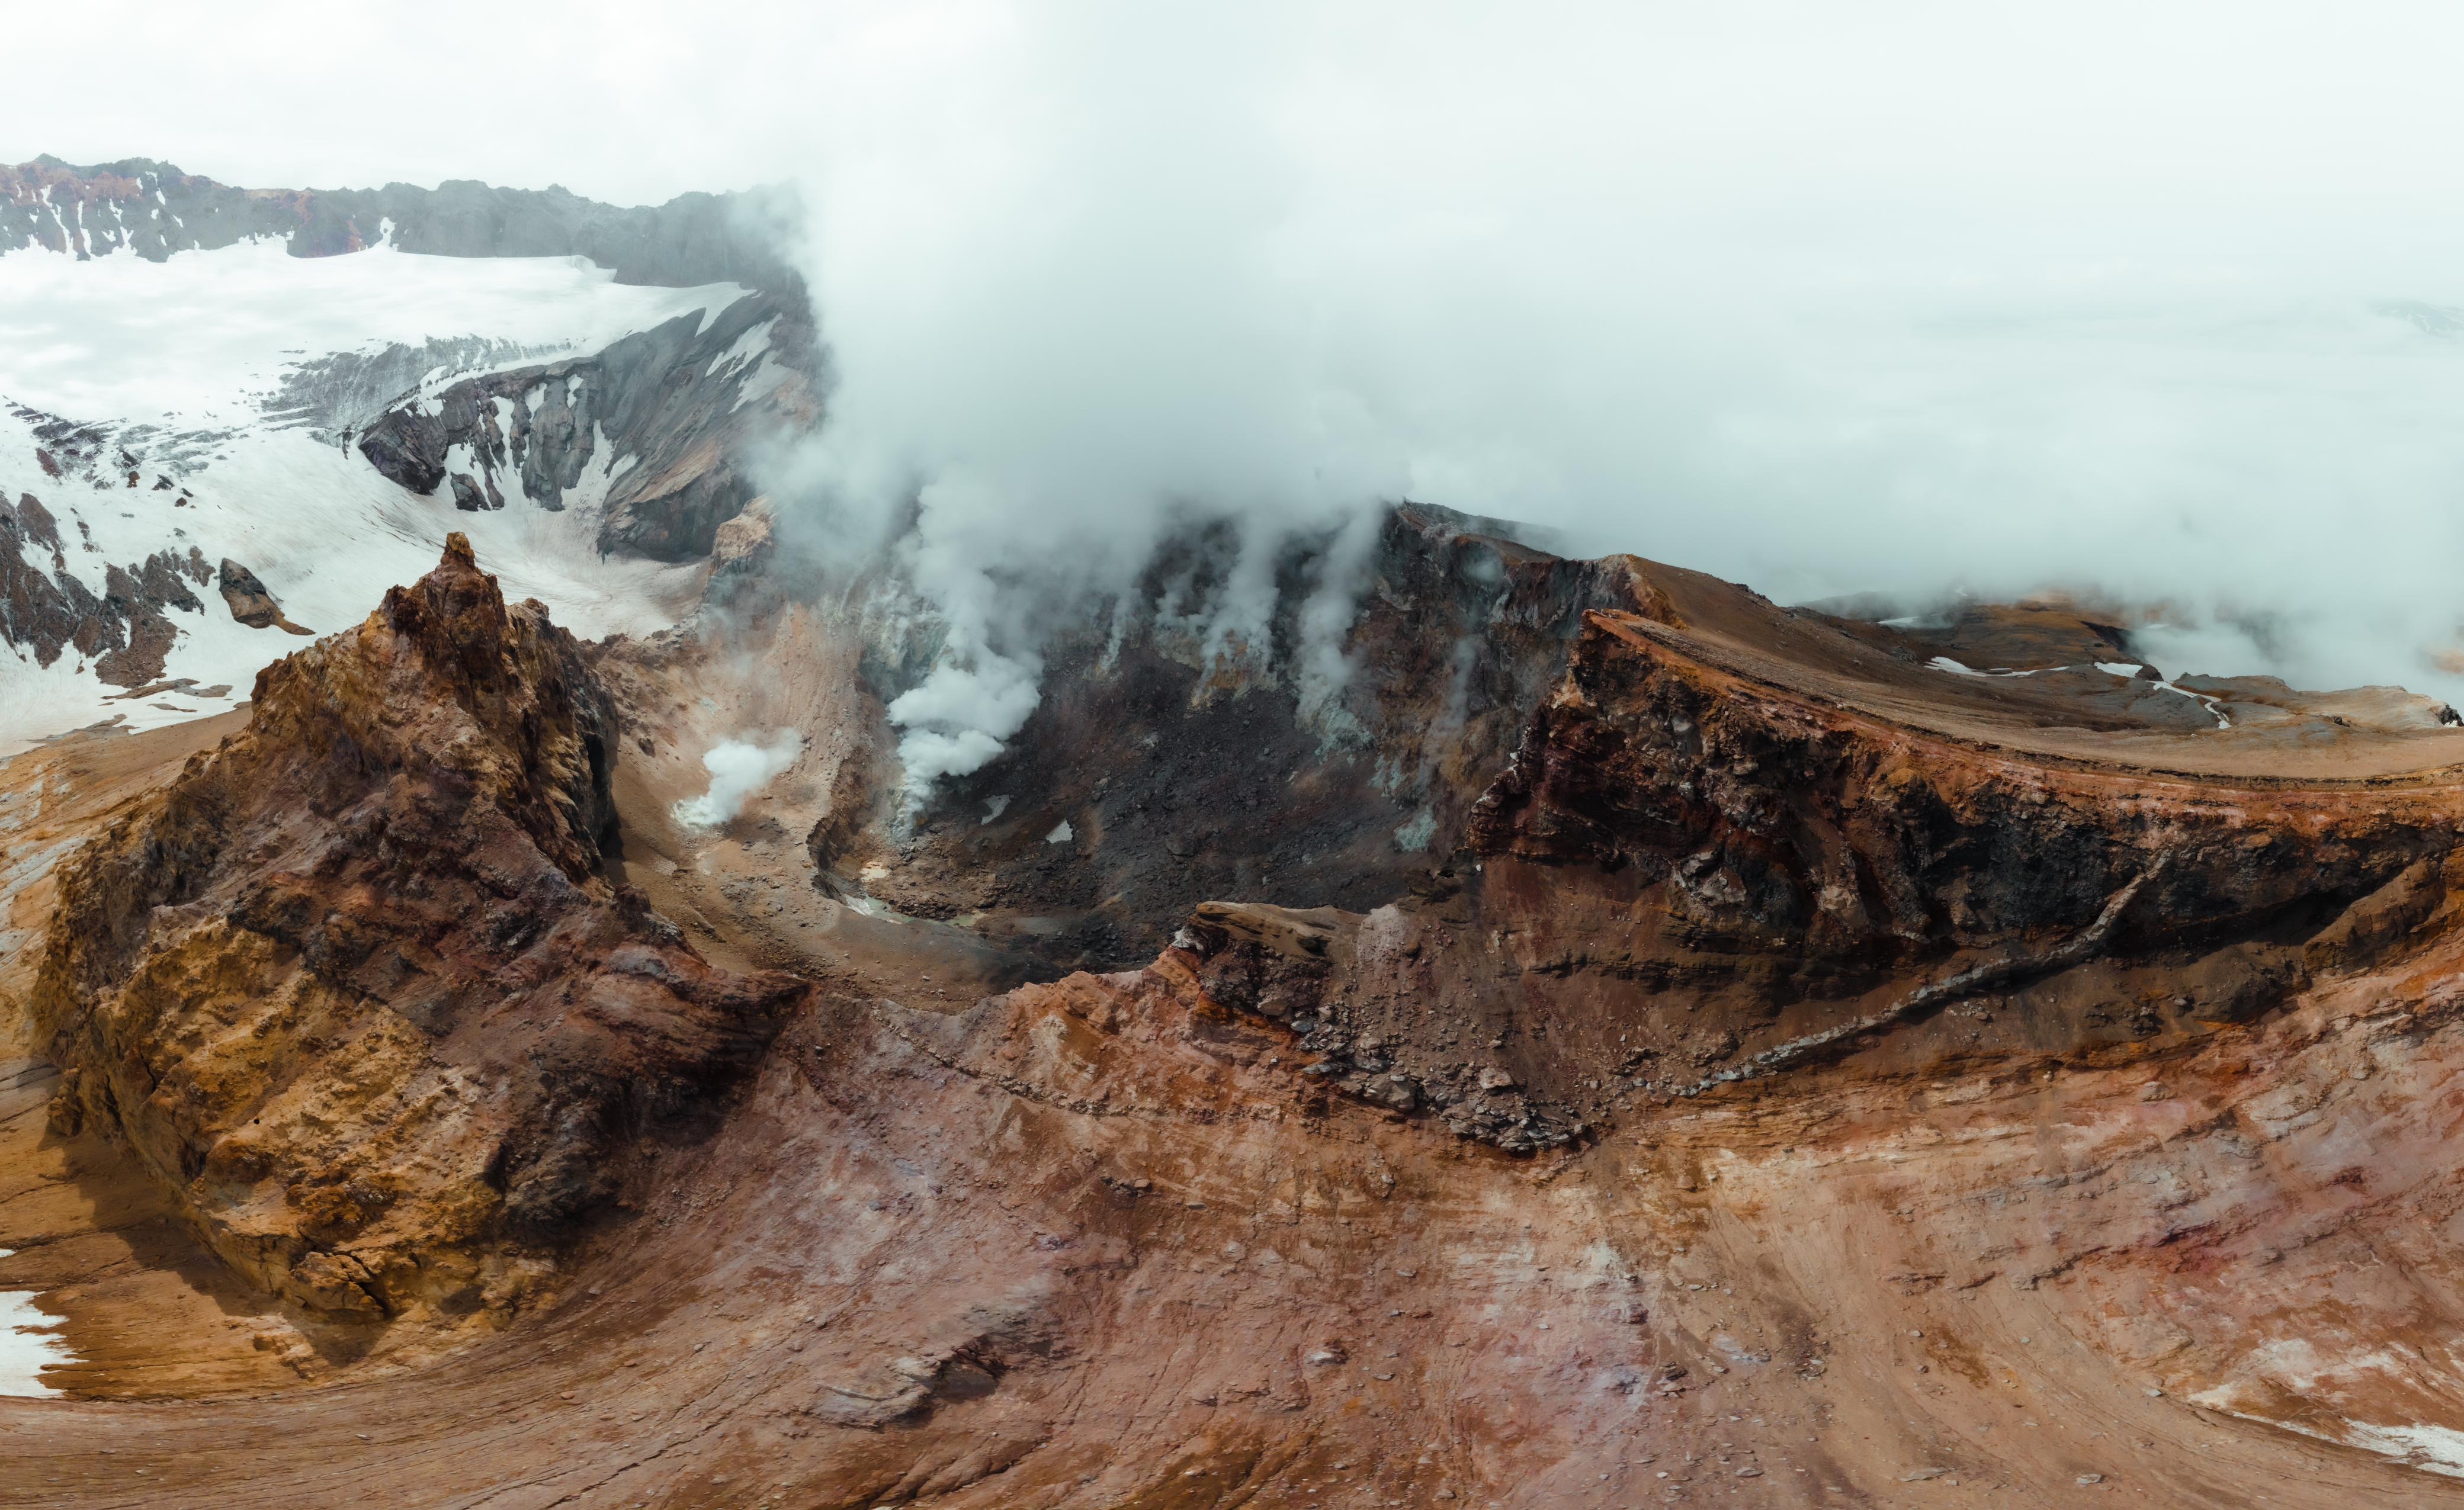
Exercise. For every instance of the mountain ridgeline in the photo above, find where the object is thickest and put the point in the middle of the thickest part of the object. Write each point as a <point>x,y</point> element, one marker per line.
<point>152,209</point>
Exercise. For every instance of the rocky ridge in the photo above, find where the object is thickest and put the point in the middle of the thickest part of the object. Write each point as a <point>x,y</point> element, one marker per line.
<point>660,425</point>
<point>152,209</point>
<point>355,987</point>
<point>1549,850</point>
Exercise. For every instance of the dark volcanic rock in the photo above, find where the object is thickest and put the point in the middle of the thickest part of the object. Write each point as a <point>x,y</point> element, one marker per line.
<point>354,985</point>
<point>1772,823</point>
<point>671,411</point>
<point>123,632</point>
<point>34,611</point>
<point>406,445</point>
<point>249,600</point>
<point>1187,772</point>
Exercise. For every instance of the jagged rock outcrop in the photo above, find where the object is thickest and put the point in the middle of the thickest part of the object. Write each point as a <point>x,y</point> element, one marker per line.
<point>123,632</point>
<point>1769,822</point>
<point>152,210</point>
<point>249,600</point>
<point>354,985</point>
<point>656,428</point>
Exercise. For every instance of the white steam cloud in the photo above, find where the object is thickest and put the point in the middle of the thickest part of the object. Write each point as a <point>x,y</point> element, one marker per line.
<point>1897,295</point>
<point>737,769</point>
<point>1904,299</point>
<point>2160,301</point>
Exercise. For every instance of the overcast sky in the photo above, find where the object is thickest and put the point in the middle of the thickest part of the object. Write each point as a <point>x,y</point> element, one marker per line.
<point>1805,111</point>
<point>1893,295</point>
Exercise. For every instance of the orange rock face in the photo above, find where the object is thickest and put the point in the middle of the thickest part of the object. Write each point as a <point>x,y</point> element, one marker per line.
<point>354,985</point>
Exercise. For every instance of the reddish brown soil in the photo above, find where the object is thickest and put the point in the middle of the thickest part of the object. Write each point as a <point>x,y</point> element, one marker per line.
<point>1100,1242</point>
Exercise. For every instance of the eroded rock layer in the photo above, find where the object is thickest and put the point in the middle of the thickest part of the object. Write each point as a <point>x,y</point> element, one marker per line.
<point>354,985</point>
<point>1682,879</point>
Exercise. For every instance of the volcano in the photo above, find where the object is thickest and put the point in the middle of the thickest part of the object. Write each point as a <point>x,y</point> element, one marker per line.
<point>1503,1029</point>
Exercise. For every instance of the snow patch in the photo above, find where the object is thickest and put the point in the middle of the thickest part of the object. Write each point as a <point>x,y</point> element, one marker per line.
<point>29,1343</point>
<point>753,343</point>
<point>766,380</point>
<point>2215,706</point>
<point>459,458</point>
<point>2433,1448</point>
<point>509,482</point>
<point>589,496</point>
<point>2132,669</point>
<point>173,363</point>
<point>1943,663</point>
<point>1062,833</point>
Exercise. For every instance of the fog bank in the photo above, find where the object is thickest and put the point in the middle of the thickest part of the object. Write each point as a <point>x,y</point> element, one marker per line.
<point>1922,306</point>
<point>1899,297</point>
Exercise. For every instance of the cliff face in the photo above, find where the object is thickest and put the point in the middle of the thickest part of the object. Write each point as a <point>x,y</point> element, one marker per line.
<point>1766,822</point>
<point>656,428</point>
<point>1167,764</point>
<point>1566,833</point>
<point>355,986</point>
<point>1683,880</point>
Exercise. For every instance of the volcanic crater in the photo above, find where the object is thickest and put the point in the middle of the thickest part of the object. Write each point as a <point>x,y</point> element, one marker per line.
<point>1622,1043</point>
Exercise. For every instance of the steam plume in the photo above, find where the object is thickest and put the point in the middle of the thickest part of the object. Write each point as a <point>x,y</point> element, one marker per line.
<point>1820,306</point>
<point>737,769</point>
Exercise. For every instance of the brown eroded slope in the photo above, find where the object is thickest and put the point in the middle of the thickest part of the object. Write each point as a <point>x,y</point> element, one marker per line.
<point>153,1312</point>
<point>351,986</point>
<point>2131,1176</point>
